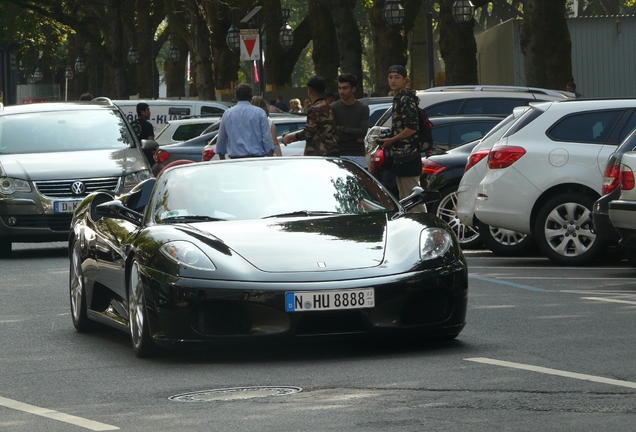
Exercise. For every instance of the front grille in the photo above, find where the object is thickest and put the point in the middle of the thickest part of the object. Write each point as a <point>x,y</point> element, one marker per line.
<point>330,322</point>
<point>63,188</point>
<point>58,222</point>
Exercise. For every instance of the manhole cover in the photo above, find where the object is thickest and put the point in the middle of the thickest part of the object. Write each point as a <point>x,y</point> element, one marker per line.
<point>234,393</point>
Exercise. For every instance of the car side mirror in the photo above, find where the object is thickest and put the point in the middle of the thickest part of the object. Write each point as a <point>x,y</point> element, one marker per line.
<point>419,196</point>
<point>117,210</point>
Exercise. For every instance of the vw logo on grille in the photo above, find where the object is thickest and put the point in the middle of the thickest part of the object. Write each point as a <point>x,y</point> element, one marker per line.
<point>78,188</point>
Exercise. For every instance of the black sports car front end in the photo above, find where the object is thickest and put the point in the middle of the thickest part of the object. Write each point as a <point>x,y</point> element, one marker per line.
<point>253,255</point>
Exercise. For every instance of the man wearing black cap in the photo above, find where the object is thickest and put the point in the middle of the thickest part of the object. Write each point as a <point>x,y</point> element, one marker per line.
<point>407,162</point>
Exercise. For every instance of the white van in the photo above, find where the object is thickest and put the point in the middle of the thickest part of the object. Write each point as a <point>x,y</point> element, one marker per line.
<point>164,110</point>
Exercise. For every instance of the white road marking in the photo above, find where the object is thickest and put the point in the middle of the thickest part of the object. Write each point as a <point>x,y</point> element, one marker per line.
<point>56,415</point>
<point>609,300</point>
<point>556,372</point>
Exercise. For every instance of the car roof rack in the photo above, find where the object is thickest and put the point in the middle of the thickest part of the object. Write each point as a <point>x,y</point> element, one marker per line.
<point>103,99</point>
<point>520,89</point>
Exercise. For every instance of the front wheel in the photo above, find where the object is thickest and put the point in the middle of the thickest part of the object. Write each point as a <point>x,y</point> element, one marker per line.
<point>563,230</point>
<point>446,210</point>
<point>137,315</point>
<point>77,292</point>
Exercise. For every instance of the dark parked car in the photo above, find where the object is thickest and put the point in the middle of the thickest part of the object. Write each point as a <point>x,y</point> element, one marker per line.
<point>611,189</point>
<point>52,155</point>
<point>448,132</point>
<point>256,257</point>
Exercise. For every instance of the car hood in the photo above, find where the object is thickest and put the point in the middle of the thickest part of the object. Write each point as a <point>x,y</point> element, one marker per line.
<point>344,242</point>
<point>72,165</point>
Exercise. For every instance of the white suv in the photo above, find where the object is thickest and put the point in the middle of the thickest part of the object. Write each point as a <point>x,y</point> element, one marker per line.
<point>547,170</point>
<point>470,100</point>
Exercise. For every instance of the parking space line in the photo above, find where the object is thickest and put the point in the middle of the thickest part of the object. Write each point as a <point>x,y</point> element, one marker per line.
<point>56,415</point>
<point>511,284</point>
<point>556,372</point>
<point>609,300</point>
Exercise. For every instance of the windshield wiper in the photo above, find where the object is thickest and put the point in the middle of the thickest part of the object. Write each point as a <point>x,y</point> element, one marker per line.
<point>302,213</point>
<point>191,218</point>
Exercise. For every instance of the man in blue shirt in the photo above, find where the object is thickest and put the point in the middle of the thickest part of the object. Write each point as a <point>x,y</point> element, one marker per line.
<point>244,130</point>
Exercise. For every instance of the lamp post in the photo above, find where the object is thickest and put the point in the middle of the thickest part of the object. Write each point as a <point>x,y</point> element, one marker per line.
<point>394,17</point>
<point>285,36</point>
<point>68,75</point>
<point>80,65</point>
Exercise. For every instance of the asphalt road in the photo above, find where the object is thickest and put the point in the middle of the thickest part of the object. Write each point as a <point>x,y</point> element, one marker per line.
<point>546,348</point>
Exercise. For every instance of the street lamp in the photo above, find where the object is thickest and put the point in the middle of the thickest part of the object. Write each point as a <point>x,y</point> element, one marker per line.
<point>174,55</point>
<point>38,75</point>
<point>68,75</point>
<point>285,36</point>
<point>80,65</point>
<point>133,55</point>
<point>394,17</point>
<point>233,38</point>
<point>463,11</point>
<point>393,13</point>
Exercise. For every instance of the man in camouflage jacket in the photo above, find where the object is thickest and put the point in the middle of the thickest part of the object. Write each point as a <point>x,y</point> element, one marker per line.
<point>407,162</point>
<point>320,129</point>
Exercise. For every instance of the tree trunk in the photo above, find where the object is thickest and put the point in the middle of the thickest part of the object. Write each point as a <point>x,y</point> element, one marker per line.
<point>114,44</point>
<point>175,73</point>
<point>457,47</point>
<point>325,51</point>
<point>389,47</point>
<point>226,62</point>
<point>348,36</point>
<point>546,45</point>
<point>145,46</point>
<point>201,54</point>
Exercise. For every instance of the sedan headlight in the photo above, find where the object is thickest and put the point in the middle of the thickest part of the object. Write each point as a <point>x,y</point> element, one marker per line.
<point>187,254</point>
<point>134,179</point>
<point>434,243</point>
<point>9,185</point>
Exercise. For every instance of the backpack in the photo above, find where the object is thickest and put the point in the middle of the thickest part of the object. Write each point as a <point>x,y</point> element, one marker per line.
<point>424,129</point>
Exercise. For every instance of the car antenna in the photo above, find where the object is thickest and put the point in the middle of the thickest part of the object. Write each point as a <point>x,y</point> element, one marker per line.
<point>526,86</point>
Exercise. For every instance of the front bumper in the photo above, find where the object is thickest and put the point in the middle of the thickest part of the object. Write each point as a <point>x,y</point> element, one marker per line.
<point>428,303</point>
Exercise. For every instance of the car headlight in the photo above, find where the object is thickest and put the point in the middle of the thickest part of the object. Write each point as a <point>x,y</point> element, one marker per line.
<point>187,254</point>
<point>434,243</point>
<point>9,185</point>
<point>134,179</point>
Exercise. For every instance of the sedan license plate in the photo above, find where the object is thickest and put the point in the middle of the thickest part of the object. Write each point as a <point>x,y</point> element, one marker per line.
<point>65,206</point>
<point>304,301</point>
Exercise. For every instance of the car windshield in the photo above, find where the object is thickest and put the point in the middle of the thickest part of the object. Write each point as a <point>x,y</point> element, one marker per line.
<point>266,188</point>
<point>62,131</point>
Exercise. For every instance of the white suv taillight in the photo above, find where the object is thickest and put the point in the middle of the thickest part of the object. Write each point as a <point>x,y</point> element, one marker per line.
<point>627,178</point>
<point>504,156</point>
<point>611,179</point>
<point>474,158</point>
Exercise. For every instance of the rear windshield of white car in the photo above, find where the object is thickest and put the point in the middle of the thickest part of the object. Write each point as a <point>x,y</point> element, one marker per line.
<point>63,131</point>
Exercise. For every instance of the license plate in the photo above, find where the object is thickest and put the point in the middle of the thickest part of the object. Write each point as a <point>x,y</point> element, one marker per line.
<point>304,301</point>
<point>65,206</point>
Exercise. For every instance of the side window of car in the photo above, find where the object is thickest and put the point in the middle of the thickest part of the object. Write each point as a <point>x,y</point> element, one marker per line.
<point>487,106</point>
<point>444,108</point>
<point>210,110</point>
<point>588,127</point>
<point>465,132</point>
<point>185,132</point>
<point>629,126</point>
<point>375,116</point>
<point>441,136</point>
